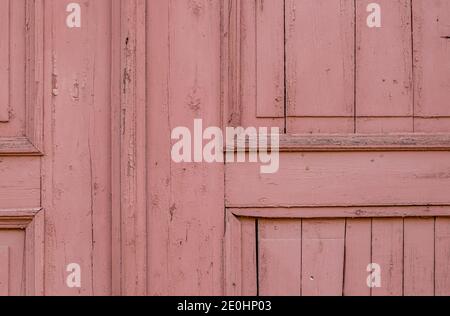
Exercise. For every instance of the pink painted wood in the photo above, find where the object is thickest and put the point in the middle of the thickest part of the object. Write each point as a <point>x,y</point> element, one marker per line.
<point>86,175</point>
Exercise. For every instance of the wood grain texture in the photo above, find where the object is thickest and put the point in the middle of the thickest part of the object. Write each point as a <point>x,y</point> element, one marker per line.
<point>12,259</point>
<point>384,63</point>
<point>186,199</point>
<point>431,63</point>
<point>77,139</point>
<point>4,61</point>
<point>4,272</point>
<point>342,179</point>
<point>323,245</point>
<point>245,51</point>
<point>387,252</point>
<point>129,168</point>
<point>360,142</point>
<point>355,212</point>
<point>19,182</point>
<point>419,257</point>
<point>270,78</point>
<point>358,255</point>
<point>240,256</point>
<point>280,257</point>
<point>442,257</point>
<point>320,60</point>
<point>15,64</point>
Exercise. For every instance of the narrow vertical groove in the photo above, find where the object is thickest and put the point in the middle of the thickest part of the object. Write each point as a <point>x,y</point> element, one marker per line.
<point>257,255</point>
<point>285,67</point>
<point>434,257</point>
<point>301,257</point>
<point>355,72</point>
<point>371,249</point>
<point>345,255</point>
<point>413,83</point>
<point>403,259</point>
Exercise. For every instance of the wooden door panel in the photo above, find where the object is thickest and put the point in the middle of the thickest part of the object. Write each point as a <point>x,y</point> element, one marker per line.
<point>13,69</point>
<point>311,256</point>
<point>384,89</point>
<point>319,65</point>
<point>322,257</point>
<point>280,245</point>
<point>343,178</point>
<point>12,258</point>
<point>431,63</point>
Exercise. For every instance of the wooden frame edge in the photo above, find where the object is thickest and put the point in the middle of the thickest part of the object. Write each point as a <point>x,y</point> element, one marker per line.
<point>32,142</point>
<point>342,212</point>
<point>129,176</point>
<point>32,221</point>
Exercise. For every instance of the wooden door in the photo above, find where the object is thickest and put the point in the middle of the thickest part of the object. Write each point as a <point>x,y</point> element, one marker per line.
<point>54,148</point>
<point>362,184</point>
<point>88,104</point>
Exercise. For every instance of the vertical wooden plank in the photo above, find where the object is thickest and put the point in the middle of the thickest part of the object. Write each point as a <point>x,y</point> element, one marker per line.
<point>4,271</point>
<point>76,166</point>
<point>442,257</point>
<point>4,61</point>
<point>384,85</point>
<point>17,71</point>
<point>240,256</point>
<point>270,58</point>
<point>245,57</point>
<point>279,244</point>
<point>320,62</point>
<point>387,251</point>
<point>189,204</point>
<point>233,256</point>
<point>323,257</point>
<point>431,24</point>
<point>419,257</point>
<point>161,209</point>
<point>133,148</point>
<point>34,72</point>
<point>358,240</point>
<point>249,260</point>
<point>12,260</point>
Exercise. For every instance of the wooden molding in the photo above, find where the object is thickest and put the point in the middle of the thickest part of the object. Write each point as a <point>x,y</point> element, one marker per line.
<point>31,143</point>
<point>359,142</point>
<point>343,212</point>
<point>129,217</point>
<point>32,221</point>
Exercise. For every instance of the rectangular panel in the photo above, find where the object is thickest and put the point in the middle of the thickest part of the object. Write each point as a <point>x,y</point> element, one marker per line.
<point>320,58</point>
<point>19,182</point>
<point>270,58</point>
<point>431,57</point>
<point>442,265</point>
<point>12,252</point>
<point>4,271</point>
<point>387,252</point>
<point>241,263</point>
<point>4,61</point>
<point>384,62</point>
<point>419,257</point>
<point>322,257</point>
<point>384,125</point>
<point>13,66</point>
<point>343,179</point>
<point>249,265</point>
<point>280,244</point>
<point>358,239</point>
<point>246,68</point>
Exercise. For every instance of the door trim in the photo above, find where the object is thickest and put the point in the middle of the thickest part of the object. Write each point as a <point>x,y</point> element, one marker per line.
<point>31,143</point>
<point>32,221</point>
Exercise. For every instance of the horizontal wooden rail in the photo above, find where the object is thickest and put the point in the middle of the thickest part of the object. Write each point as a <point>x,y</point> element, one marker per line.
<point>359,142</point>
